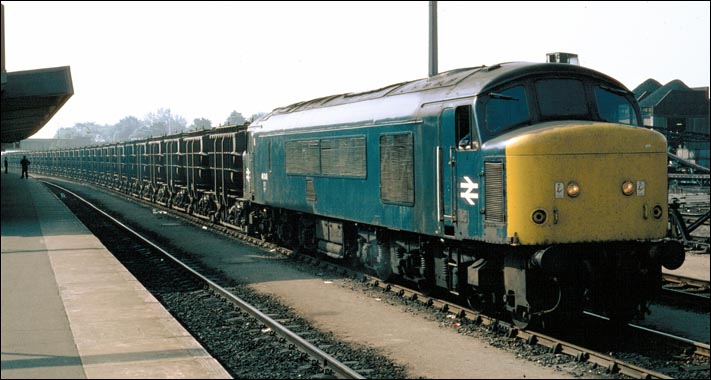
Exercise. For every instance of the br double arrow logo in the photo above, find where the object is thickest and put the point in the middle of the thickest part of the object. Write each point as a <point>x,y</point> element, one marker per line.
<point>470,190</point>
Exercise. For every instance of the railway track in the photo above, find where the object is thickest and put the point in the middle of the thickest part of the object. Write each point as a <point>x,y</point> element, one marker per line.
<point>467,318</point>
<point>692,290</point>
<point>294,349</point>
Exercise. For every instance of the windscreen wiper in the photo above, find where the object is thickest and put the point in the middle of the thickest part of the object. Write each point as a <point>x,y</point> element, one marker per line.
<point>496,95</point>
<point>614,90</point>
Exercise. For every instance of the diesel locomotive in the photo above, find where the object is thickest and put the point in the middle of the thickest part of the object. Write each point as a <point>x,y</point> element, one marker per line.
<point>526,188</point>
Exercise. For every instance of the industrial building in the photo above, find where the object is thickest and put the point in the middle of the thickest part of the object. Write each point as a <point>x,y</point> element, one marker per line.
<point>681,113</point>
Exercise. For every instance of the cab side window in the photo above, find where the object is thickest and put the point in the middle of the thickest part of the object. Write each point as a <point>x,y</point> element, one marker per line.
<point>464,131</point>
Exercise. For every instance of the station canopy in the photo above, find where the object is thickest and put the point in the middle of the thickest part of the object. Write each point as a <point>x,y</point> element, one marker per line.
<point>30,99</point>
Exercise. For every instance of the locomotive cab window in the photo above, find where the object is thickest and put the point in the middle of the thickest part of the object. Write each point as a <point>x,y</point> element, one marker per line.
<point>562,99</point>
<point>465,133</point>
<point>504,110</point>
<point>612,106</point>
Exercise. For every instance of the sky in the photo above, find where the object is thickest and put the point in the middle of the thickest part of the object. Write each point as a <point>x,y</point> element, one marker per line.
<point>207,59</point>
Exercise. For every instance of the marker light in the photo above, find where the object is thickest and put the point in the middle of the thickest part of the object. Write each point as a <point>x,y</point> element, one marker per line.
<point>628,188</point>
<point>539,216</point>
<point>657,212</point>
<point>573,189</point>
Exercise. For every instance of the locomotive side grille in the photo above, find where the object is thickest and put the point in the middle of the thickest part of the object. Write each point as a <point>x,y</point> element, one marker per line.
<point>397,175</point>
<point>494,192</point>
<point>303,157</point>
<point>343,157</point>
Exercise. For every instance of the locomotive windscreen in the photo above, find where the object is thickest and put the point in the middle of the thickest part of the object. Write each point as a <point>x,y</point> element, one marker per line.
<point>545,99</point>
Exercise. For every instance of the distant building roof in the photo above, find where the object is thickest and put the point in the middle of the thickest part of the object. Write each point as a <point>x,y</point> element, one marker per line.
<point>655,97</point>
<point>646,88</point>
<point>674,99</point>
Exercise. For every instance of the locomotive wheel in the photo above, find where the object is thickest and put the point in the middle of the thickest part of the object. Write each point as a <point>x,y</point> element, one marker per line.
<point>380,260</point>
<point>477,302</point>
<point>521,320</point>
<point>425,287</point>
<point>384,274</point>
<point>568,311</point>
<point>286,234</point>
<point>474,303</point>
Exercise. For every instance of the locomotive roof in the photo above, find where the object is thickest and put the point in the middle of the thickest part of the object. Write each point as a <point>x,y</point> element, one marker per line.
<point>403,99</point>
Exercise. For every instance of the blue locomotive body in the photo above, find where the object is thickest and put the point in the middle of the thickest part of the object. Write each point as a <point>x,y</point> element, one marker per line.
<point>367,172</point>
<point>384,158</point>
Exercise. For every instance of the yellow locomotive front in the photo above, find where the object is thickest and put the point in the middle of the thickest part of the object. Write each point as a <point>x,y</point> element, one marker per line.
<point>587,202</point>
<point>585,191</point>
<point>586,182</point>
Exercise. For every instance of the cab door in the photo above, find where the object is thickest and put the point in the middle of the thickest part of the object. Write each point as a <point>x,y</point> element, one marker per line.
<point>447,173</point>
<point>458,168</point>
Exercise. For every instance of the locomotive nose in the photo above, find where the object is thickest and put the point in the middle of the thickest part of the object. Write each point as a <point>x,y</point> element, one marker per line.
<point>670,253</point>
<point>576,181</point>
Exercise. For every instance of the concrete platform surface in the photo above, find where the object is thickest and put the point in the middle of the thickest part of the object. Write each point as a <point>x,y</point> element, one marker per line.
<point>71,310</point>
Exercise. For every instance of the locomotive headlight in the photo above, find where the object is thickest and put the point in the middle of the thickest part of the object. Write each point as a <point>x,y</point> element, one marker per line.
<point>573,189</point>
<point>628,188</point>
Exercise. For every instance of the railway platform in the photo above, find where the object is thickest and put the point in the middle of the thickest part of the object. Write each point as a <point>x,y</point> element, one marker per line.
<point>71,310</point>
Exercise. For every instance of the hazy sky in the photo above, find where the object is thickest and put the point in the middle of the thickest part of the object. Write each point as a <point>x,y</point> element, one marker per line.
<point>207,59</point>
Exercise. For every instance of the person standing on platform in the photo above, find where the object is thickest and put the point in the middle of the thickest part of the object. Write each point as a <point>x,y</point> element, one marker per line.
<point>5,165</point>
<point>25,163</point>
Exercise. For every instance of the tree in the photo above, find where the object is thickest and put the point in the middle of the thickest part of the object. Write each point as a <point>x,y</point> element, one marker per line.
<point>125,128</point>
<point>200,123</point>
<point>69,133</point>
<point>94,132</point>
<point>235,118</point>
<point>160,123</point>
